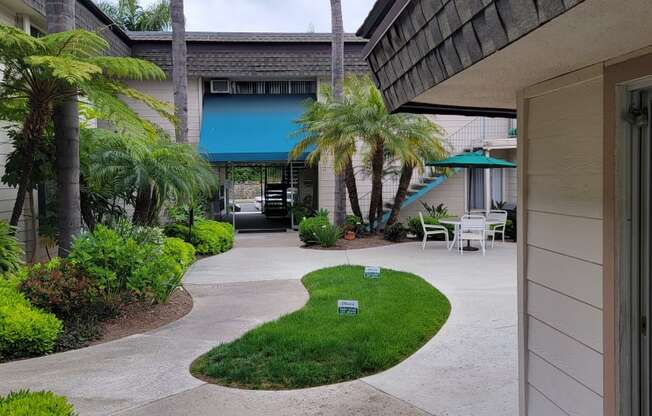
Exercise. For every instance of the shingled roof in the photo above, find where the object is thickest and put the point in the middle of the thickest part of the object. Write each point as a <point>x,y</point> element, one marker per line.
<point>255,55</point>
<point>417,44</point>
<point>268,37</point>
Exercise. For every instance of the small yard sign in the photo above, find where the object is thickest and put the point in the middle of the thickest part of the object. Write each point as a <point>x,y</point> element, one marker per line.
<point>347,307</point>
<point>372,272</point>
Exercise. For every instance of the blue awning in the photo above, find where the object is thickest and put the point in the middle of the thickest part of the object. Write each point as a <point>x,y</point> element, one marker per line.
<point>250,128</point>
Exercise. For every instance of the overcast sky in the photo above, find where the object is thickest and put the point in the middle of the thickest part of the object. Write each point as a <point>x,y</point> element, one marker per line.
<point>270,15</point>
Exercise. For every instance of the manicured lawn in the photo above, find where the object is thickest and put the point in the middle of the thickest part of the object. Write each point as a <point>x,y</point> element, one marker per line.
<point>315,346</point>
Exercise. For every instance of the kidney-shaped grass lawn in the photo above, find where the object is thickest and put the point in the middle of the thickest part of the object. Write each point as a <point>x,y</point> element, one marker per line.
<point>315,345</point>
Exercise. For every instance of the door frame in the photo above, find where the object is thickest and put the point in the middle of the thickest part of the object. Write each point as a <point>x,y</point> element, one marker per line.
<point>627,306</point>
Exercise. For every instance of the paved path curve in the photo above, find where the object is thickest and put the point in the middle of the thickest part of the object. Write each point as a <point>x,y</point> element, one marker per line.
<point>469,368</point>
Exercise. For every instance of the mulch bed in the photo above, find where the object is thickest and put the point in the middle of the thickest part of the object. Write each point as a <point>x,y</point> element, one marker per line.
<point>359,243</point>
<point>137,318</point>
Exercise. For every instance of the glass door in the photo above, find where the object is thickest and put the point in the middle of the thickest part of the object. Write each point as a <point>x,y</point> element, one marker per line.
<point>635,386</point>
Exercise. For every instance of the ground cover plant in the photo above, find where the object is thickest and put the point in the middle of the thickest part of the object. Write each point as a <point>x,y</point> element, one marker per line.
<point>38,403</point>
<point>316,346</point>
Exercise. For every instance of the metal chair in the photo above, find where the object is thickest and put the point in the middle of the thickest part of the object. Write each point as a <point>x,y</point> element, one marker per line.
<point>472,228</point>
<point>432,229</point>
<point>497,215</point>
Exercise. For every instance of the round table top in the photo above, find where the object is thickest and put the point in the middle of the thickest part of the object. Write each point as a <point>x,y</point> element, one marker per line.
<point>458,221</point>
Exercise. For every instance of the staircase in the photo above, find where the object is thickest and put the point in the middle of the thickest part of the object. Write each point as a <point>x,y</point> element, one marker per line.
<point>276,204</point>
<point>416,190</point>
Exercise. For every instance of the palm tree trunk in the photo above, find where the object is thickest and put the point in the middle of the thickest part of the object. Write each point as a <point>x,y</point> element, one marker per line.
<point>401,193</point>
<point>61,17</point>
<point>377,164</point>
<point>352,189</point>
<point>142,206</point>
<point>337,80</point>
<point>179,70</point>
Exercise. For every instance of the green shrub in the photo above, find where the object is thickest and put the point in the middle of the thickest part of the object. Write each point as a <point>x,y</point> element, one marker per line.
<point>395,232</point>
<point>11,254</point>
<point>110,258</point>
<point>41,403</point>
<point>157,280</point>
<point>139,233</point>
<point>178,249</point>
<point>62,288</point>
<point>327,234</point>
<point>209,237</point>
<point>308,226</point>
<point>25,330</point>
<point>213,237</point>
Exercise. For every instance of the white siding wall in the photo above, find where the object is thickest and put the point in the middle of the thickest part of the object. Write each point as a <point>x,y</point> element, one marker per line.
<point>450,193</point>
<point>561,275</point>
<point>7,194</point>
<point>163,90</point>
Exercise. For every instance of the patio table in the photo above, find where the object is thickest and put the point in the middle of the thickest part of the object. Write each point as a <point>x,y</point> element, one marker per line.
<point>457,222</point>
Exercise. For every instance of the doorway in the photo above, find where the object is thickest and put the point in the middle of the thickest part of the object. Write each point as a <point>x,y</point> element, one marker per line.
<point>636,251</point>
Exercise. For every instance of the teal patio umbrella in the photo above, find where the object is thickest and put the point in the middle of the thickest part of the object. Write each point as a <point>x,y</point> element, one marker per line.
<point>471,160</point>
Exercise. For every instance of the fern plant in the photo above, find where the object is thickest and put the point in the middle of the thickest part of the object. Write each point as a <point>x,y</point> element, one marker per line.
<point>11,253</point>
<point>38,73</point>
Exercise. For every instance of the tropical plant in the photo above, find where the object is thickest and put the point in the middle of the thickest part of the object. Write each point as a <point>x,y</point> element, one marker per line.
<point>395,232</point>
<point>179,70</point>
<point>130,15</point>
<point>40,74</point>
<point>147,173</point>
<point>438,211</point>
<point>326,235</point>
<point>362,120</point>
<point>321,135</point>
<point>11,253</point>
<point>307,228</point>
<point>37,403</point>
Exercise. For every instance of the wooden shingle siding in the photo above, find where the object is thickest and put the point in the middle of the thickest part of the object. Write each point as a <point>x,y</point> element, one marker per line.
<point>459,32</point>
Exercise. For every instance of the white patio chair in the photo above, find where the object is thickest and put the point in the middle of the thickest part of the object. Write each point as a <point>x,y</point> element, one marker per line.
<point>500,216</point>
<point>432,229</point>
<point>472,228</point>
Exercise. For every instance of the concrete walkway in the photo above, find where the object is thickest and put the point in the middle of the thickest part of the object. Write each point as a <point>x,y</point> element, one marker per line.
<point>469,368</point>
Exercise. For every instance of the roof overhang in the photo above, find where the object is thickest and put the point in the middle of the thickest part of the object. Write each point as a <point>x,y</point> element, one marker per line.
<point>483,83</point>
<point>593,32</point>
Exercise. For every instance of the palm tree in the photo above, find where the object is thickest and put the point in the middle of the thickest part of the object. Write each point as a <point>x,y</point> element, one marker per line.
<point>179,70</point>
<point>337,83</point>
<point>41,73</point>
<point>148,172</point>
<point>130,15</point>
<point>60,16</point>
<point>334,128</point>
<point>422,142</point>
<point>321,135</point>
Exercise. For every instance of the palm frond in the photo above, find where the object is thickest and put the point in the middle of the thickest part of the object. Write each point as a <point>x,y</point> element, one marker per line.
<point>128,68</point>
<point>65,68</point>
<point>77,43</point>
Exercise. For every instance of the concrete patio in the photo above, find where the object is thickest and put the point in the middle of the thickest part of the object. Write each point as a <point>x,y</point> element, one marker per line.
<point>469,368</point>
